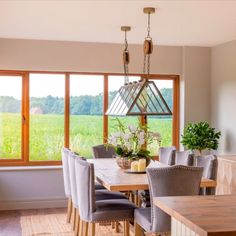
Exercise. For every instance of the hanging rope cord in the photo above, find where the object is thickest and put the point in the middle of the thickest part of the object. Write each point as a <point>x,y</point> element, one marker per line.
<point>126,60</point>
<point>146,60</point>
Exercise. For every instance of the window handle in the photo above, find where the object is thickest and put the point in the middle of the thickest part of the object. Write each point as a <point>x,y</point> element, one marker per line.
<point>23,120</point>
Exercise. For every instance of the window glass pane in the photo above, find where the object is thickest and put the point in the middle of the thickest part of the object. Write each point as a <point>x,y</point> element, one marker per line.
<point>162,124</point>
<point>10,117</point>
<point>114,83</point>
<point>86,109</point>
<point>46,116</point>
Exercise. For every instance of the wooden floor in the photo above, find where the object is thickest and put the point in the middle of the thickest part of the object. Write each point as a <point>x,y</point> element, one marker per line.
<point>42,222</point>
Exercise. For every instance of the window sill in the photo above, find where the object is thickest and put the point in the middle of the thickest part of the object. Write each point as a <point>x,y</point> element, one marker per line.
<point>30,168</point>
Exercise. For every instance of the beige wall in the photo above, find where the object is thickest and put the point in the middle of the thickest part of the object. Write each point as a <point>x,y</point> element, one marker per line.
<point>83,57</point>
<point>195,86</point>
<point>197,72</point>
<point>223,95</point>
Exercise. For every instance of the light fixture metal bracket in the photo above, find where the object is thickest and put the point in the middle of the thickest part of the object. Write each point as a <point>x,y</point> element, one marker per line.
<point>125,28</point>
<point>148,10</point>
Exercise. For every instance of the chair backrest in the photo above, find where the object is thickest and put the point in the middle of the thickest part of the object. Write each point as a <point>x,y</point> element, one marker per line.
<point>65,166</point>
<point>171,181</point>
<point>85,188</point>
<point>72,157</point>
<point>184,158</point>
<point>167,155</point>
<point>101,151</point>
<point>210,166</point>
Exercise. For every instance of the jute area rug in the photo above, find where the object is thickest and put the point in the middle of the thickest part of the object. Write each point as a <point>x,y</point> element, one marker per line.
<point>54,224</point>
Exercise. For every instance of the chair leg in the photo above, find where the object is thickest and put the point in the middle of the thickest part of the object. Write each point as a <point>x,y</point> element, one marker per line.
<point>69,210</point>
<point>117,226</point>
<point>126,228</point>
<point>85,229</point>
<point>131,196</point>
<point>139,202</point>
<point>137,229</point>
<point>77,223</point>
<point>136,199</point>
<point>113,225</point>
<point>73,217</point>
<point>93,229</point>
<point>81,231</point>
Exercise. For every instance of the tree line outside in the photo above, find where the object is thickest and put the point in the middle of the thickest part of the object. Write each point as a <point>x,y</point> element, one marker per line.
<point>79,105</point>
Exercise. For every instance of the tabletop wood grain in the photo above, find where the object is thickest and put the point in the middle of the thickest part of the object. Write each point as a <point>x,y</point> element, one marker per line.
<point>205,215</point>
<point>114,178</point>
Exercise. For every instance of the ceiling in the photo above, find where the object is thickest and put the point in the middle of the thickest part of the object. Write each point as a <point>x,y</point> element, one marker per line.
<point>199,23</point>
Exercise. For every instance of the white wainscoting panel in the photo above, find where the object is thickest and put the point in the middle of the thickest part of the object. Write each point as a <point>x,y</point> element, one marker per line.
<point>180,229</point>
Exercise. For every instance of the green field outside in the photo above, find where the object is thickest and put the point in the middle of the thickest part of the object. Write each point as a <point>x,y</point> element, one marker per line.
<point>10,135</point>
<point>46,134</point>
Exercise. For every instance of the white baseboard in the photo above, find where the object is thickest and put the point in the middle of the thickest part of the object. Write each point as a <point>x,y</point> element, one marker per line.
<point>33,204</point>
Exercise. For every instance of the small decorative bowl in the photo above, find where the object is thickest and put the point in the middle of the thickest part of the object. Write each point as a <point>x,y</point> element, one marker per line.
<point>125,162</point>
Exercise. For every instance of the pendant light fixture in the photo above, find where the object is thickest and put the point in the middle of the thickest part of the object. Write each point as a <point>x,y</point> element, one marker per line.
<point>140,97</point>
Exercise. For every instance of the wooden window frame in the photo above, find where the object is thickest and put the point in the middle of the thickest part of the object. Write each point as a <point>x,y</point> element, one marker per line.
<point>25,161</point>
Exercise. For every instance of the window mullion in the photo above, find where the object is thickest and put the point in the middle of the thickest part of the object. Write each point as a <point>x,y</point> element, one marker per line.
<point>105,107</point>
<point>67,111</point>
<point>25,118</point>
<point>175,120</point>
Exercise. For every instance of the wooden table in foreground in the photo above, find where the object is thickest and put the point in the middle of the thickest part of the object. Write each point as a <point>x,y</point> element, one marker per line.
<point>114,178</point>
<point>200,215</point>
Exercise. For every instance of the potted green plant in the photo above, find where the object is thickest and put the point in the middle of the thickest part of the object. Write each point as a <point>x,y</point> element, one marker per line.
<point>200,136</point>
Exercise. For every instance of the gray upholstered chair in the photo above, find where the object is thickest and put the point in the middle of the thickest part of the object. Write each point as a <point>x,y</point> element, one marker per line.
<point>210,166</point>
<point>167,155</point>
<point>92,211</point>
<point>101,151</point>
<point>100,194</point>
<point>167,181</point>
<point>71,161</point>
<point>184,158</point>
<point>67,187</point>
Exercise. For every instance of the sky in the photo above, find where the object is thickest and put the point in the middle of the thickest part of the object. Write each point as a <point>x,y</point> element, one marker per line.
<point>42,85</point>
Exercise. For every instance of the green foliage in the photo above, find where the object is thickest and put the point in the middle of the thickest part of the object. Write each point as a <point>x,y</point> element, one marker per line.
<point>200,136</point>
<point>143,153</point>
<point>9,104</point>
<point>168,96</point>
<point>46,134</point>
<point>79,105</point>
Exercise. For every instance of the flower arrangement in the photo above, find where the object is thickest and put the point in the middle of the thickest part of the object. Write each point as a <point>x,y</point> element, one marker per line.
<point>131,141</point>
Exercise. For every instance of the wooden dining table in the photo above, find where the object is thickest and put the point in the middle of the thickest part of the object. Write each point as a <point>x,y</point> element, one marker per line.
<point>200,215</point>
<point>112,177</point>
